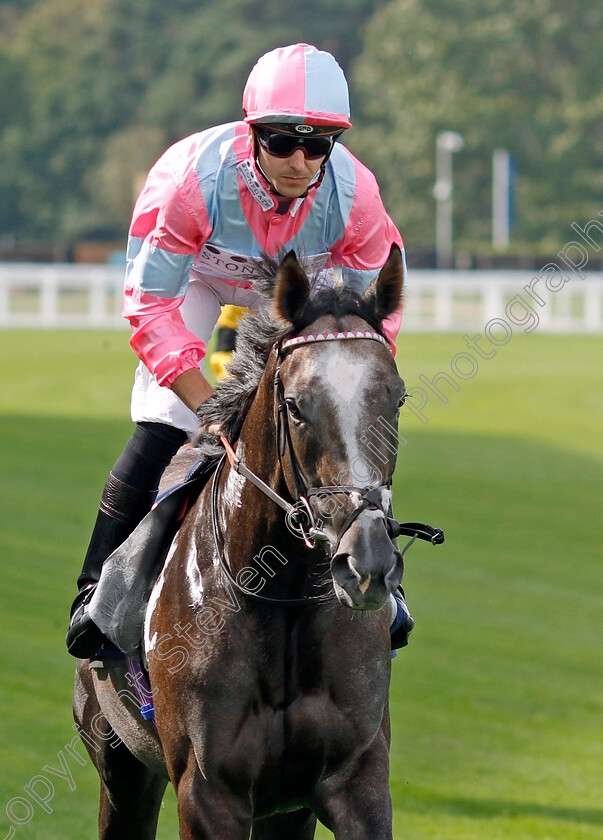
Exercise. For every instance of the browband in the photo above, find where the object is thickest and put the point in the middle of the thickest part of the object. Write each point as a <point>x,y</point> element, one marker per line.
<point>333,336</point>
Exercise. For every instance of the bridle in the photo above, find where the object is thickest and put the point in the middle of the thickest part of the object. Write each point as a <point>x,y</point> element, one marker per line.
<point>299,515</point>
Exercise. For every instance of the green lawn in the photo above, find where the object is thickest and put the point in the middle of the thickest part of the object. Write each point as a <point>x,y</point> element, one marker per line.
<point>497,703</point>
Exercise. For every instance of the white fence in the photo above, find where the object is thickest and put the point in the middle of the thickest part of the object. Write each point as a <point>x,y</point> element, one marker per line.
<point>58,295</point>
<point>550,300</point>
<point>34,295</point>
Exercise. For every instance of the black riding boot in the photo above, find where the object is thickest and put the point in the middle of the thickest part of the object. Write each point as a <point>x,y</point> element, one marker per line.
<point>128,496</point>
<point>122,508</point>
<point>403,622</point>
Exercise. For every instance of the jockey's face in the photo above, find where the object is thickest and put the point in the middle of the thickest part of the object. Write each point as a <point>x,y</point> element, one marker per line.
<point>289,176</point>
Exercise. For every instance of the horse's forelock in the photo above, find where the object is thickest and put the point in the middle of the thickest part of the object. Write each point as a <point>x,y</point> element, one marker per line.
<point>337,302</point>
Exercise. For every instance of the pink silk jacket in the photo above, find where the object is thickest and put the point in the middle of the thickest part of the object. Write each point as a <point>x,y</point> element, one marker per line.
<point>205,210</point>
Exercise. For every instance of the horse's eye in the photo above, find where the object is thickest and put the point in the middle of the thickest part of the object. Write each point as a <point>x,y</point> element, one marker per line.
<point>293,410</point>
<point>402,399</point>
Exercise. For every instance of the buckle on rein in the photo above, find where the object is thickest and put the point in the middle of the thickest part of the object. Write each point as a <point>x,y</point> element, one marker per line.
<point>299,517</point>
<point>300,520</point>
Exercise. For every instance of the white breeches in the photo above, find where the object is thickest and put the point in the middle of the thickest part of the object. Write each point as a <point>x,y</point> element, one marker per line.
<point>200,311</point>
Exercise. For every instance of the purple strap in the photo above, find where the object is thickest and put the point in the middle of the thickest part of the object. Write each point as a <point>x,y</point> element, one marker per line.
<point>142,689</point>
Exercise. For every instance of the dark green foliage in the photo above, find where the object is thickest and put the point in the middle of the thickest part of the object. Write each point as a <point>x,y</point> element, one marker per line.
<point>103,88</point>
<point>93,92</point>
<point>524,76</point>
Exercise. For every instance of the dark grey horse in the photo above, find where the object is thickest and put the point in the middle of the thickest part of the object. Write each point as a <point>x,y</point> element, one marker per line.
<point>269,659</point>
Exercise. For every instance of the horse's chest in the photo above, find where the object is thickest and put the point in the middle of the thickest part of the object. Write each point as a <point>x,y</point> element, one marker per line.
<point>329,730</point>
<point>311,737</point>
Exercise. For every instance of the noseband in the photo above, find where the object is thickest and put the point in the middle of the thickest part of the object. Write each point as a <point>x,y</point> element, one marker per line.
<point>300,516</point>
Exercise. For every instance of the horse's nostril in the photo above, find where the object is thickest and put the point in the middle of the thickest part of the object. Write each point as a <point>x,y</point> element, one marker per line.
<point>342,567</point>
<point>345,569</point>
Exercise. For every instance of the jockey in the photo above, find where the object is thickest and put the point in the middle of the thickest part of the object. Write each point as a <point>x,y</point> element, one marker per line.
<point>212,205</point>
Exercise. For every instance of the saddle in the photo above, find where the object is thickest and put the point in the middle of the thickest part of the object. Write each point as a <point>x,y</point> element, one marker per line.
<point>118,606</point>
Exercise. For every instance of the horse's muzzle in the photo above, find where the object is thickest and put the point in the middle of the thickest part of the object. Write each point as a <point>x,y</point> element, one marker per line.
<point>367,566</point>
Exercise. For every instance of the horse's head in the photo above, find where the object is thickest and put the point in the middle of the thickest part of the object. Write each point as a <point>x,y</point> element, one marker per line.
<point>340,400</point>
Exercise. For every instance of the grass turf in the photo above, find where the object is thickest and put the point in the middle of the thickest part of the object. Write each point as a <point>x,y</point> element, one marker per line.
<point>496,703</point>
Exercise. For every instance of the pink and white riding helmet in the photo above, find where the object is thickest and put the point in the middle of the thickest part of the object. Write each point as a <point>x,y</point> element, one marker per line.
<point>298,84</point>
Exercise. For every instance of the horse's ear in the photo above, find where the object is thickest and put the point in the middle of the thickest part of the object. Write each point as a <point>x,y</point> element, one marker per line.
<point>292,288</point>
<point>384,294</point>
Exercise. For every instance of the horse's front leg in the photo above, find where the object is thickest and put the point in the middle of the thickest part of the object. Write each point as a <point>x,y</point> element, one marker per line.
<point>209,811</point>
<point>358,805</point>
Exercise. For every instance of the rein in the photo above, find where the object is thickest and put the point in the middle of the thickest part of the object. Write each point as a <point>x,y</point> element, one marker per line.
<point>300,516</point>
<point>288,602</point>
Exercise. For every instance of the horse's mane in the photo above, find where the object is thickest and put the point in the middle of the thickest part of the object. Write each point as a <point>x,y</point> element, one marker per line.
<point>256,335</point>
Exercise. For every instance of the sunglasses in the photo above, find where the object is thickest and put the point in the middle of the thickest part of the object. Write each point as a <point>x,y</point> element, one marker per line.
<point>283,145</point>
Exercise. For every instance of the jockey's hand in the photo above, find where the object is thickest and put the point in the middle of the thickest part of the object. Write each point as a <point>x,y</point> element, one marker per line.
<point>214,428</point>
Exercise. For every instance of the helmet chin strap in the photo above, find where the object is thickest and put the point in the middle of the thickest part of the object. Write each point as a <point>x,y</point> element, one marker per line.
<point>264,176</point>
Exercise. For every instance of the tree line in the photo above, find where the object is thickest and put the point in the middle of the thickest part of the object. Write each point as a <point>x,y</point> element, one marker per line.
<point>94,92</point>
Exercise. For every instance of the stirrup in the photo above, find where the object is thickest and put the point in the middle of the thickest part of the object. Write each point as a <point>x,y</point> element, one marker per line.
<point>83,637</point>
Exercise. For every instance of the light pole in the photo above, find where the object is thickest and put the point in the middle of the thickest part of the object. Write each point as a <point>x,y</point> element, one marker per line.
<point>501,199</point>
<point>447,143</point>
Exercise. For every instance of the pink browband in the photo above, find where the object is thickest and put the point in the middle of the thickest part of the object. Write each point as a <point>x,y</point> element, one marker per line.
<point>299,340</point>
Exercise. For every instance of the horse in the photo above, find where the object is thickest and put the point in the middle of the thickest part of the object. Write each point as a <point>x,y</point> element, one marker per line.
<point>267,632</point>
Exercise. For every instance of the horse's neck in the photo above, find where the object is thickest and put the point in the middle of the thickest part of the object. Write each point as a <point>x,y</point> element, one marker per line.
<point>258,434</point>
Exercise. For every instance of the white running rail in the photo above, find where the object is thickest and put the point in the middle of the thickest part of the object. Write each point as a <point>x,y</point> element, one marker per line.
<point>57,296</point>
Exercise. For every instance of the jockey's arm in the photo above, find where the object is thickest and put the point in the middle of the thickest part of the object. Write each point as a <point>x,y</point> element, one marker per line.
<point>192,388</point>
<point>366,245</point>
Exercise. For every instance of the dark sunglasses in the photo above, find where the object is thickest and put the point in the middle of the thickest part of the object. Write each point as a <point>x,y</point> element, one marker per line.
<point>283,145</point>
